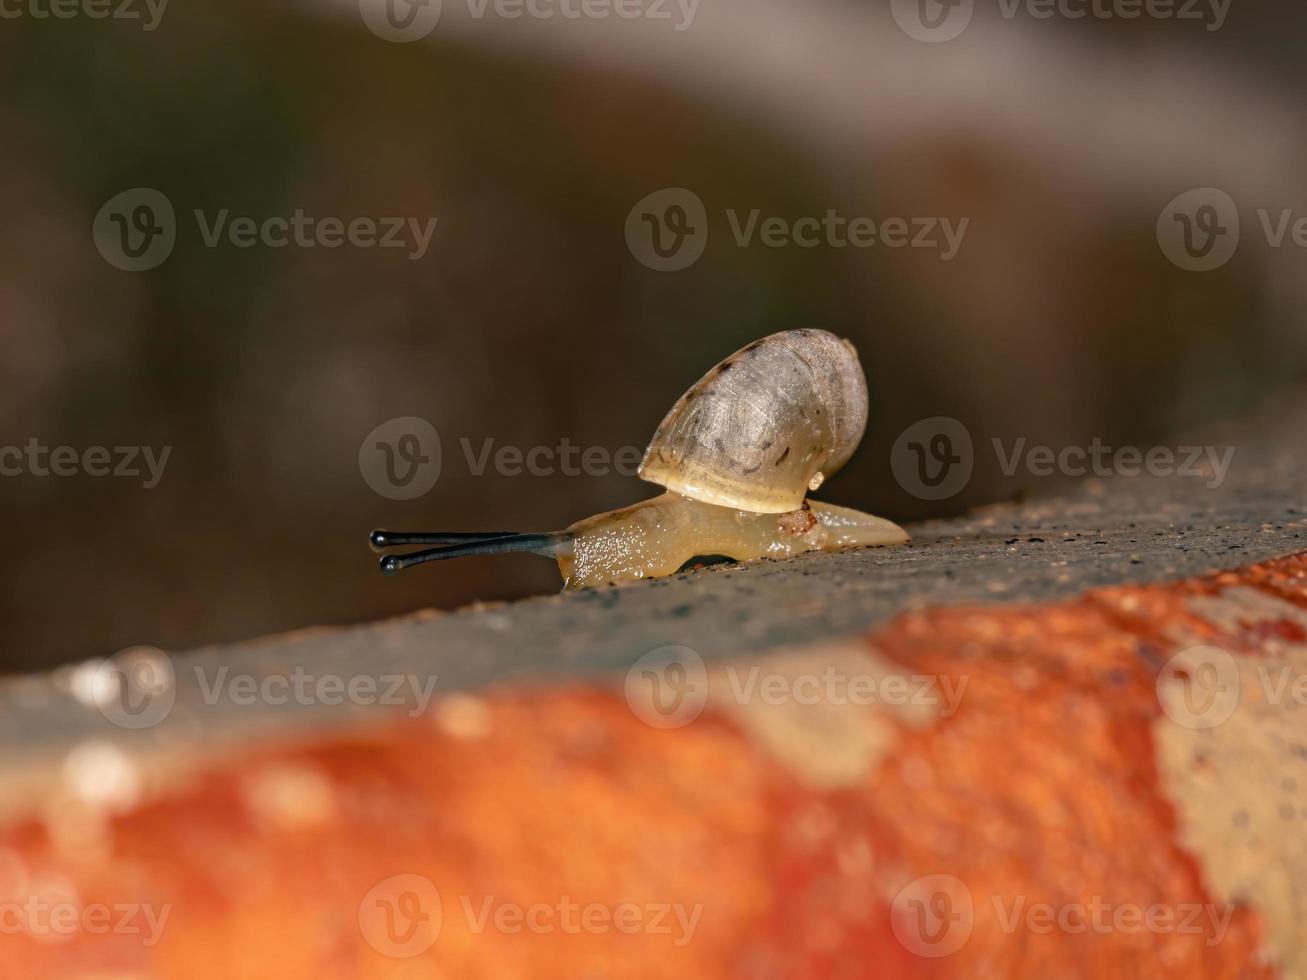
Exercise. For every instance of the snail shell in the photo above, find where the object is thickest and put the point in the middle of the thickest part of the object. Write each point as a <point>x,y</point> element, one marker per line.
<point>764,426</point>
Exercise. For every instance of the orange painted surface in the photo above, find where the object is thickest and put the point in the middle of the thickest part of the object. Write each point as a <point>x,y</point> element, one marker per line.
<point>554,834</point>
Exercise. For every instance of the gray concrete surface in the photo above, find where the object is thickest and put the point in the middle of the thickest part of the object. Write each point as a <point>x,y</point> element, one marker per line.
<point>1105,532</point>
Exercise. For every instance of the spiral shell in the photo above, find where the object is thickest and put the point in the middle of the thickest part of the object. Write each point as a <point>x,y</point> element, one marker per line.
<point>764,426</point>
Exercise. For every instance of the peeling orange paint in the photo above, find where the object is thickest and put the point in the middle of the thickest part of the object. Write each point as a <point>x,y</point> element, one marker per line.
<point>1053,826</point>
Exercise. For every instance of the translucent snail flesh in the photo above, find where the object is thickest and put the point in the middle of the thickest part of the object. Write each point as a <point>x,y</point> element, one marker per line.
<point>737,454</point>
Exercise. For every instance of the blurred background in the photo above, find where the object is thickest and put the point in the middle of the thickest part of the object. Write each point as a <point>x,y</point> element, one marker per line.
<point>536,315</point>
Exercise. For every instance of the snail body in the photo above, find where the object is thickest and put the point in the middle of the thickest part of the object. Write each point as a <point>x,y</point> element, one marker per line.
<point>737,455</point>
<point>658,536</point>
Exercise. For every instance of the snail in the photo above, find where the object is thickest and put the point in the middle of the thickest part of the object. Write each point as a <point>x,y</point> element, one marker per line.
<point>736,455</point>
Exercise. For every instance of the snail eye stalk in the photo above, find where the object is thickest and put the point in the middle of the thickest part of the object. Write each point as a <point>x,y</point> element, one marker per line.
<point>457,545</point>
<point>380,540</point>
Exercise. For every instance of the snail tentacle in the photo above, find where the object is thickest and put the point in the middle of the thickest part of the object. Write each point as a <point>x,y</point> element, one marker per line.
<point>379,540</point>
<point>548,545</point>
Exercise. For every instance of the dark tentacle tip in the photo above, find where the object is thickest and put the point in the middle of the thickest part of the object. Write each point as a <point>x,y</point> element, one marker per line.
<point>390,565</point>
<point>377,539</point>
